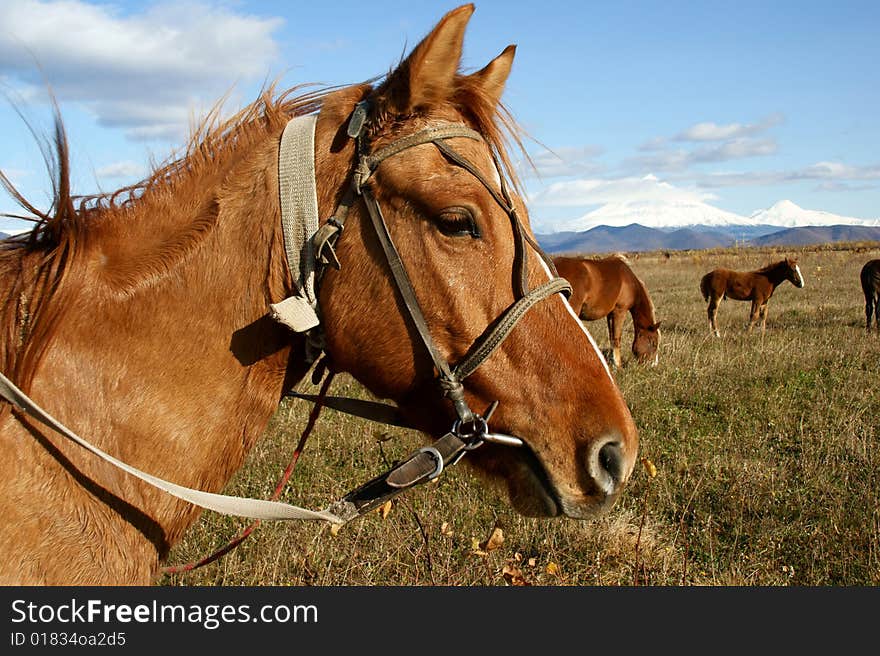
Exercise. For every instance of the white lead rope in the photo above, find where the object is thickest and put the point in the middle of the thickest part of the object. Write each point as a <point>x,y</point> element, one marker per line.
<point>227,505</point>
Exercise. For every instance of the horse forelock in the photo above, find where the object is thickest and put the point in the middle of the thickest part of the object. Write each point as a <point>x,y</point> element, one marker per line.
<point>480,109</point>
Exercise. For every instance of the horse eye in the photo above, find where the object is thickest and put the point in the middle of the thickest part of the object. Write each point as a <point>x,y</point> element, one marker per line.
<point>458,222</point>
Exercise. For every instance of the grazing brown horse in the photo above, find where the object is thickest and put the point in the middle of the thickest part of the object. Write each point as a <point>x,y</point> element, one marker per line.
<point>870,279</point>
<point>140,320</point>
<point>609,288</point>
<point>755,286</point>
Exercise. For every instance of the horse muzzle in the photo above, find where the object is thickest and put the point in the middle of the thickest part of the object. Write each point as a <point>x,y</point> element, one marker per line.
<point>585,491</point>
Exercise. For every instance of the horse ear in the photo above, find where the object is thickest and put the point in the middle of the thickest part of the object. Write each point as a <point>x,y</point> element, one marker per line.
<point>656,326</point>
<point>427,76</point>
<point>493,77</point>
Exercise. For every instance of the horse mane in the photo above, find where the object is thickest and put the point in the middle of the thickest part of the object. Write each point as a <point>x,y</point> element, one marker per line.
<point>646,297</point>
<point>772,266</point>
<point>38,269</point>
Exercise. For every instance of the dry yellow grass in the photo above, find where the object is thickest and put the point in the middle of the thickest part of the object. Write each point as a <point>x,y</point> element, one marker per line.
<point>765,448</point>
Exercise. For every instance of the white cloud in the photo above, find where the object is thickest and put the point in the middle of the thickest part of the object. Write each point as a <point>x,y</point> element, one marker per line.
<point>835,174</point>
<point>838,171</point>
<point>716,143</point>
<point>710,131</point>
<point>657,143</point>
<point>586,192</point>
<point>845,187</point>
<point>680,159</point>
<point>143,71</point>
<point>125,169</point>
<point>567,161</point>
<point>735,149</point>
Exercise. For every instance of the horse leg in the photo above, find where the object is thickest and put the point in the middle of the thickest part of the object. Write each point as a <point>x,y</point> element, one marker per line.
<point>712,311</point>
<point>615,329</point>
<point>753,315</point>
<point>763,314</point>
<point>869,310</point>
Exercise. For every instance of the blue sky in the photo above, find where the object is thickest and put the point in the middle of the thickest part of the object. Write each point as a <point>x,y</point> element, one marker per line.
<point>736,104</point>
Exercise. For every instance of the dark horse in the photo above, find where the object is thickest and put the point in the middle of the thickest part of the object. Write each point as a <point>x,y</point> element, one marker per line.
<point>141,320</point>
<point>870,279</point>
<point>755,286</point>
<point>609,288</point>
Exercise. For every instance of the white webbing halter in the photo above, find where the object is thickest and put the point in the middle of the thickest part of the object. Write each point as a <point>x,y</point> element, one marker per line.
<point>299,222</point>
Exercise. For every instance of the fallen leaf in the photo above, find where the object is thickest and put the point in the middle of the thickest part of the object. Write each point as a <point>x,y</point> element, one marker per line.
<point>649,467</point>
<point>533,562</point>
<point>334,529</point>
<point>445,530</point>
<point>514,576</point>
<point>476,549</point>
<point>385,509</point>
<point>496,538</point>
<point>552,568</point>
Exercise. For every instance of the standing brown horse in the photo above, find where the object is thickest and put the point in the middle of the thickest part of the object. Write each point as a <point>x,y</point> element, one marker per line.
<point>140,321</point>
<point>870,279</point>
<point>609,288</point>
<point>755,286</point>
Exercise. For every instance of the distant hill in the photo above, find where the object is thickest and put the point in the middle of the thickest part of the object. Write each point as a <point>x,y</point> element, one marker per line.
<point>818,235</point>
<point>636,237</point>
<point>633,237</point>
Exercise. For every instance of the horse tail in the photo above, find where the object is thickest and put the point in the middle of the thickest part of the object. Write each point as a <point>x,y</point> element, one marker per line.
<point>704,287</point>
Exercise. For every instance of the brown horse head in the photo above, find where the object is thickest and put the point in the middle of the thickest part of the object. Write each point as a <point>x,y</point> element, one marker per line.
<point>457,243</point>
<point>793,273</point>
<point>646,343</point>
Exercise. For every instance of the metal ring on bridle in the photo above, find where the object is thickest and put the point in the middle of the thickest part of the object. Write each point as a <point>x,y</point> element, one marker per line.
<point>438,469</point>
<point>479,424</point>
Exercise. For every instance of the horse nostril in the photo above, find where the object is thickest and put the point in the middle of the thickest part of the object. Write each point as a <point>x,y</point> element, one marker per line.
<point>611,460</point>
<point>607,466</point>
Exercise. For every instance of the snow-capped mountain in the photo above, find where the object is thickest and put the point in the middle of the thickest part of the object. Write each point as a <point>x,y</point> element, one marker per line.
<point>662,224</point>
<point>665,215</point>
<point>660,214</point>
<point>789,215</point>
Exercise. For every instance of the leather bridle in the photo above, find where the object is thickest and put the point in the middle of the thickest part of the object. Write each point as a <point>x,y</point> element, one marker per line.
<point>470,429</point>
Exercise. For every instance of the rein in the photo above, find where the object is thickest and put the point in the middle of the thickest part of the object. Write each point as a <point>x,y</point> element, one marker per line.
<point>279,487</point>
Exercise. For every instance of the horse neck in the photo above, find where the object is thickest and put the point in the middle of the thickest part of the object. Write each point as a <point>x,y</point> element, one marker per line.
<point>186,369</point>
<point>642,311</point>
<point>776,274</point>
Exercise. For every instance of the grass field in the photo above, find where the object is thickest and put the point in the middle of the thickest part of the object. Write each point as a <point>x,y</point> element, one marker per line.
<point>765,448</point>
